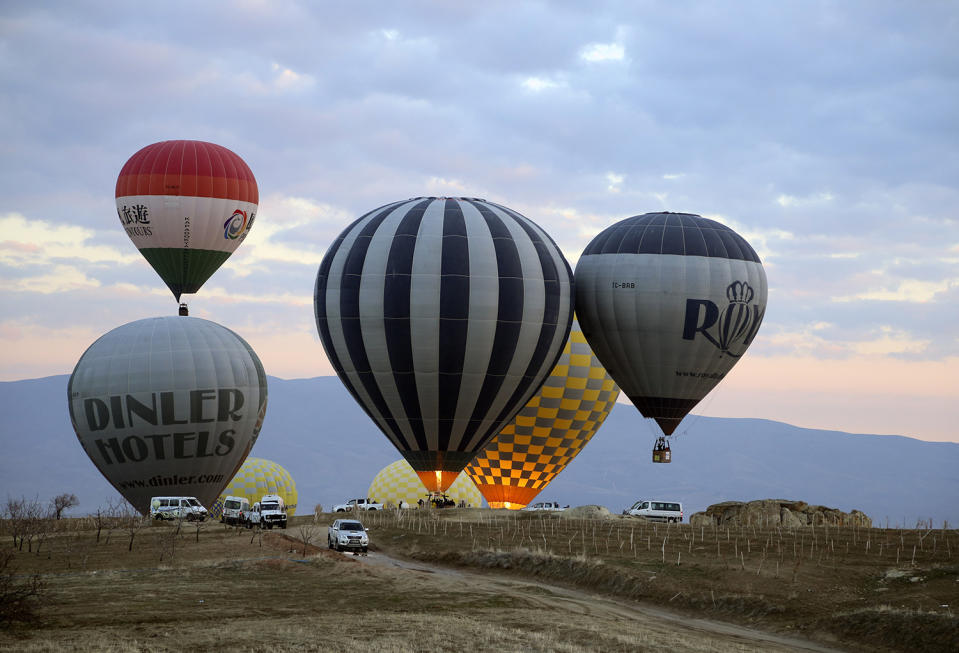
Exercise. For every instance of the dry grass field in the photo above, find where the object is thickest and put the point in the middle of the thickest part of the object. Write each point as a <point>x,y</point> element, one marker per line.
<point>480,580</point>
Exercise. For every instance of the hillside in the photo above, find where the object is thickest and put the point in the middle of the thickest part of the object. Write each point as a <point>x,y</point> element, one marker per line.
<point>315,430</point>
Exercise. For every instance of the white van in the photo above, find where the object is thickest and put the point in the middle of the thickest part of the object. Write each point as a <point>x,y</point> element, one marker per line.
<point>236,511</point>
<point>550,506</point>
<point>667,511</point>
<point>188,508</point>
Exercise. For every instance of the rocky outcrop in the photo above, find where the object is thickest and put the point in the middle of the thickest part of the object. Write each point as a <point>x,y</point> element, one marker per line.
<point>587,512</point>
<point>776,512</point>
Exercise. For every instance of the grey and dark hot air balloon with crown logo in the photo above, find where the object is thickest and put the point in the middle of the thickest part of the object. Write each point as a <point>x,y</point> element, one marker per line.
<point>669,302</point>
<point>443,316</point>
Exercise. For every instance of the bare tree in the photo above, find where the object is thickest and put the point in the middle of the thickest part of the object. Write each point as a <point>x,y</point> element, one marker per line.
<point>19,597</point>
<point>99,520</point>
<point>41,525</point>
<point>306,533</point>
<point>108,518</point>
<point>168,541</point>
<point>63,502</point>
<point>13,517</point>
<point>25,519</point>
<point>199,525</point>
<point>131,521</point>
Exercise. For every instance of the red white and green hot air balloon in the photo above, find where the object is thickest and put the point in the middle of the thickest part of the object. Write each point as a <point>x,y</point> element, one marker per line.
<point>186,205</point>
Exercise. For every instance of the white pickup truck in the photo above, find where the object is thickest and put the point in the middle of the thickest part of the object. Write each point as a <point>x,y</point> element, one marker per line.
<point>348,534</point>
<point>357,504</point>
<point>268,512</point>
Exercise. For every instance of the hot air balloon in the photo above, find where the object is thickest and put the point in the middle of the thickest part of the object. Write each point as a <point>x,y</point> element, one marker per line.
<point>669,302</point>
<point>398,482</point>
<point>442,316</point>
<point>186,205</point>
<point>549,431</point>
<point>256,477</point>
<point>168,405</point>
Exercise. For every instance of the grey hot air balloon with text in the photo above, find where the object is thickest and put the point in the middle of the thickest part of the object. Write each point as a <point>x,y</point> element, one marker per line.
<point>669,302</point>
<point>168,406</point>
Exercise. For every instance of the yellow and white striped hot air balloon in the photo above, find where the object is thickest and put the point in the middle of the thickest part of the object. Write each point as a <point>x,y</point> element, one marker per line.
<point>255,478</point>
<point>398,482</point>
<point>549,431</point>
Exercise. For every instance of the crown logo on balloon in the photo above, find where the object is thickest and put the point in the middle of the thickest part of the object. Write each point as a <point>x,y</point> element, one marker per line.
<point>739,292</point>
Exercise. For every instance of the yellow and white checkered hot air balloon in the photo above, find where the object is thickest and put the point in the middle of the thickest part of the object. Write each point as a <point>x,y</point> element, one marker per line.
<point>257,477</point>
<point>549,431</point>
<point>398,482</point>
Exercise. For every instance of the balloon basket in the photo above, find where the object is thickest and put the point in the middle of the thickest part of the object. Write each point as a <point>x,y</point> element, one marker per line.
<point>184,309</point>
<point>661,452</point>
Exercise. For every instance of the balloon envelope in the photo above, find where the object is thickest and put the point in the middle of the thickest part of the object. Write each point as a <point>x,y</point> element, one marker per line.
<point>550,430</point>
<point>186,205</point>
<point>256,477</point>
<point>442,316</point>
<point>168,406</point>
<point>398,482</point>
<point>669,302</point>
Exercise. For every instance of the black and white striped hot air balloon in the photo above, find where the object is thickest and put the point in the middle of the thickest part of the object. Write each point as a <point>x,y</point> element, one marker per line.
<point>443,316</point>
<point>669,302</point>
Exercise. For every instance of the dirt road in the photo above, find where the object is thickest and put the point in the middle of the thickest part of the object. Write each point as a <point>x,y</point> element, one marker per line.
<point>658,624</point>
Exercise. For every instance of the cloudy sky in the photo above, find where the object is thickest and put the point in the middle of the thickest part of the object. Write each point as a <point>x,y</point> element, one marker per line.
<point>826,133</point>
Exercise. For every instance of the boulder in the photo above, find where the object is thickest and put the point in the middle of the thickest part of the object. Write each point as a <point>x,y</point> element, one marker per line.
<point>701,519</point>
<point>776,512</point>
<point>587,512</point>
<point>790,519</point>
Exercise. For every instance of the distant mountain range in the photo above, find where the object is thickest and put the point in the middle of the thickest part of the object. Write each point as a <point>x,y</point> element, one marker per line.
<point>322,437</point>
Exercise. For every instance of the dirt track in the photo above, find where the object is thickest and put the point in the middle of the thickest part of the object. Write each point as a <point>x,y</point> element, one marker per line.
<point>714,635</point>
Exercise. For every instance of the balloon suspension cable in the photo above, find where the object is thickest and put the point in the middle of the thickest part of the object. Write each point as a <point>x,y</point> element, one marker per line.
<point>184,309</point>
<point>710,397</point>
<point>651,430</point>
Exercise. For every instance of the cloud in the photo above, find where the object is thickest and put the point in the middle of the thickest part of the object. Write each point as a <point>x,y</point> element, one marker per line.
<point>792,201</point>
<point>889,341</point>
<point>614,182</point>
<point>538,84</point>
<point>441,187</point>
<point>288,229</point>
<point>61,278</point>
<point>905,290</point>
<point>285,79</point>
<point>47,258</point>
<point>602,52</point>
<point>27,242</point>
<point>839,169</point>
<point>220,295</point>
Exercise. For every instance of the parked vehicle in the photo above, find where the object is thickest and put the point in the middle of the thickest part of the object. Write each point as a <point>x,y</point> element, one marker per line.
<point>188,508</point>
<point>549,506</point>
<point>666,511</point>
<point>236,511</point>
<point>357,504</point>
<point>348,534</point>
<point>268,512</point>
